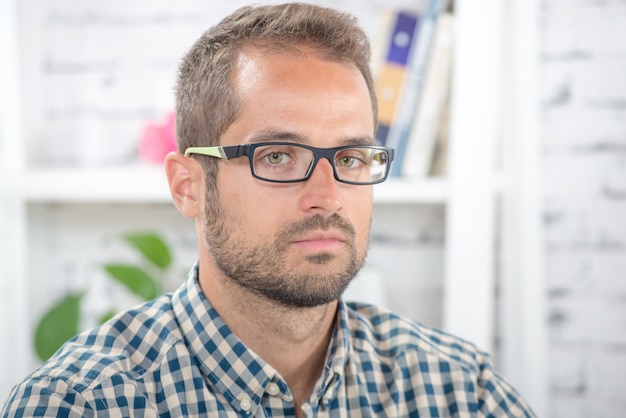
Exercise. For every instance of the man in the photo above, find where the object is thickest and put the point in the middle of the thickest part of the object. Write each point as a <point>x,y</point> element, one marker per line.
<point>276,116</point>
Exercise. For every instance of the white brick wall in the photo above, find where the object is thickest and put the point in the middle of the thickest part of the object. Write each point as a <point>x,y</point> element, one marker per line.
<point>584,125</point>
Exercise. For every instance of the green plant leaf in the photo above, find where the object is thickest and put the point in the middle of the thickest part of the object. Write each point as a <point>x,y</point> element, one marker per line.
<point>152,247</point>
<point>59,324</point>
<point>135,279</point>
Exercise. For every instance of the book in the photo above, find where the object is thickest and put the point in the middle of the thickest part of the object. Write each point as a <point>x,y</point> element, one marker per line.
<point>419,55</point>
<point>439,165</point>
<point>380,42</point>
<point>430,114</point>
<point>392,71</point>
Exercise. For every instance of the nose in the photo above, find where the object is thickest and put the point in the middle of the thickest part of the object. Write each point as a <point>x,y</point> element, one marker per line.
<point>321,192</point>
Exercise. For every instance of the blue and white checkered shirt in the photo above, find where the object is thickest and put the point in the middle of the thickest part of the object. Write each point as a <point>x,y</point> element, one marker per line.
<point>176,357</point>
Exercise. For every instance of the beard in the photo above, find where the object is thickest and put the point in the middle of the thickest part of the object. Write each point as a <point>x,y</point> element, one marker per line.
<point>264,270</point>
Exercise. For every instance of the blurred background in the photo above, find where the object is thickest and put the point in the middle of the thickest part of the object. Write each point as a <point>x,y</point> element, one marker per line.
<point>513,236</point>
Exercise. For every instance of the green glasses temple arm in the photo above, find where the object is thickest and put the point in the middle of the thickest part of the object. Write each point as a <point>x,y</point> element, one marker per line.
<point>217,152</point>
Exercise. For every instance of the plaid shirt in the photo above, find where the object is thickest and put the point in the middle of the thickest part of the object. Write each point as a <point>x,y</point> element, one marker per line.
<point>176,357</point>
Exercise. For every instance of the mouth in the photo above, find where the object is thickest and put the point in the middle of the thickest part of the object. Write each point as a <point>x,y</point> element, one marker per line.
<point>320,241</point>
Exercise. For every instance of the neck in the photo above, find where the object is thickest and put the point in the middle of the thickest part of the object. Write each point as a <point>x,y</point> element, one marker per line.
<point>292,340</point>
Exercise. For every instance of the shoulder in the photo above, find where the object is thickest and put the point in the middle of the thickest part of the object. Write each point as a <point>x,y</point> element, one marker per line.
<point>129,345</point>
<point>425,364</point>
<point>381,333</point>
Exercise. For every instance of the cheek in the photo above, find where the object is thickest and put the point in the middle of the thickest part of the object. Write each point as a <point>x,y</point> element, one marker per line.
<point>249,212</point>
<point>363,230</point>
<point>234,195</point>
<point>363,220</point>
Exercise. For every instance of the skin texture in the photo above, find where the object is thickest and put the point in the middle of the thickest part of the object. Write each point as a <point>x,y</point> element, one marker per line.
<point>274,258</point>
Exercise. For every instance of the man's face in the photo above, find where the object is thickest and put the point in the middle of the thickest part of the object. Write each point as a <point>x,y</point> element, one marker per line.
<point>299,244</point>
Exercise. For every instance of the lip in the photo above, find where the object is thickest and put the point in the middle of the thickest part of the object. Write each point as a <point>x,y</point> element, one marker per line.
<point>320,241</point>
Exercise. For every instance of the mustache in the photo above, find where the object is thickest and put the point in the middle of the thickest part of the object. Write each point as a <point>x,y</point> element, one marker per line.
<point>313,223</point>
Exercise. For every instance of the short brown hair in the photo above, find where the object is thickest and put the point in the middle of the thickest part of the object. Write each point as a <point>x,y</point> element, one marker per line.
<point>206,102</point>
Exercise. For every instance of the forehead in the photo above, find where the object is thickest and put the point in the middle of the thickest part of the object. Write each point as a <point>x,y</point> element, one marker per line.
<point>299,89</point>
<point>293,63</point>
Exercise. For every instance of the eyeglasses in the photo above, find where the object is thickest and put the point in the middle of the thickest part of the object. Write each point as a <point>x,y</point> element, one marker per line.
<point>286,162</point>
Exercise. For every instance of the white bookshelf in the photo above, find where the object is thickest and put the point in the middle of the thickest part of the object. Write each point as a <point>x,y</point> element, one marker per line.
<point>142,183</point>
<point>469,194</point>
<point>125,184</point>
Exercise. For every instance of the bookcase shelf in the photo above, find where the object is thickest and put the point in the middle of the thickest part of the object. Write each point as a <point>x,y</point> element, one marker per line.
<point>127,184</point>
<point>430,190</point>
<point>147,184</point>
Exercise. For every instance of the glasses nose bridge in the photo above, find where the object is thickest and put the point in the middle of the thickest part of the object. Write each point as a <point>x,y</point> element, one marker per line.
<point>321,153</point>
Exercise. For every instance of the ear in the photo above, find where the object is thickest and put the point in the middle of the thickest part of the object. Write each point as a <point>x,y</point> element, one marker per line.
<point>186,181</point>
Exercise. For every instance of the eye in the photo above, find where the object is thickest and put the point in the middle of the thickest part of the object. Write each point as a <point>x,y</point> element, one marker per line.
<point>275,157</point>
<point>351,158</point>
<point>346,161</point>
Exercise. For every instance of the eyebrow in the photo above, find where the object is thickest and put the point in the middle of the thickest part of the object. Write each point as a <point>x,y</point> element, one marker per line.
<point>270,136</point>
<point>286,136</point>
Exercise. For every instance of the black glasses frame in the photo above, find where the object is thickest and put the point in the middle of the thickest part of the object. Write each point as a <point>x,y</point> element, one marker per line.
<point>236,151</point>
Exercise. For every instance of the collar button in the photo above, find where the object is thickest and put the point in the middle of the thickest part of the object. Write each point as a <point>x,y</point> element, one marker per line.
<point>272,389</point>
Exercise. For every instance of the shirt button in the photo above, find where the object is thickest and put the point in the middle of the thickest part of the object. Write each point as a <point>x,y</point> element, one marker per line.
<point>245,403</point>
<point>273,389</point>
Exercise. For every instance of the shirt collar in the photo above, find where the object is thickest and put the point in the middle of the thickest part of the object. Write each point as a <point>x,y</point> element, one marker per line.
<point>234,370</point>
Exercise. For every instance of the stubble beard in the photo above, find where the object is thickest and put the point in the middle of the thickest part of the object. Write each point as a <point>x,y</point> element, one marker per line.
<point>263,269</point>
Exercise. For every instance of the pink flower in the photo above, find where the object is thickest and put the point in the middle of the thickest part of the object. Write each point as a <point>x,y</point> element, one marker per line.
<point>158,139</point>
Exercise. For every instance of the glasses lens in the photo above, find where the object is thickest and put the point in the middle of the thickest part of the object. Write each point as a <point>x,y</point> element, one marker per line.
<point>361,165</point>
<point>282,162</point>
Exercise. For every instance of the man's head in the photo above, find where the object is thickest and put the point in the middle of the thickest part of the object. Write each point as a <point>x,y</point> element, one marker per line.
<point>292,73</point>
<point>207,102</point>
